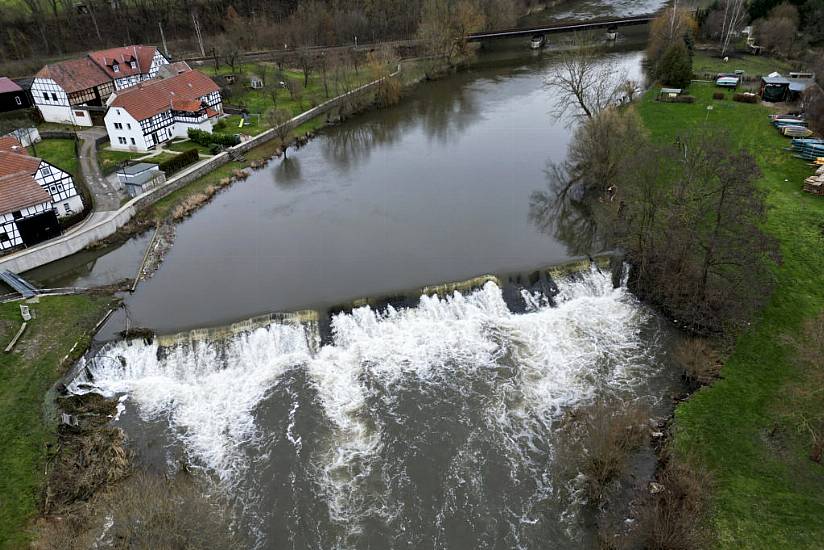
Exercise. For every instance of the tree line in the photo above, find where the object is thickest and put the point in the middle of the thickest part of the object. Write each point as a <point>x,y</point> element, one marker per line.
<point>48,28</point>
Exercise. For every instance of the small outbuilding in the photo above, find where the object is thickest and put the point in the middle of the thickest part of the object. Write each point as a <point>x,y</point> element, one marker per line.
<point>255,82</point>
<point>774,88</point>
<point>141,177</point>
<point>12,96</point>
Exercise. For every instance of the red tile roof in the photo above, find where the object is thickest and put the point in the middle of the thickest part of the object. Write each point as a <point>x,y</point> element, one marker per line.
<point>10,143</point>
<point>20,190</point>
<point>8,85</point>
<point>142,54</point>
<point>12,163</point>
<point>74,75</point>
<point>156,96</point>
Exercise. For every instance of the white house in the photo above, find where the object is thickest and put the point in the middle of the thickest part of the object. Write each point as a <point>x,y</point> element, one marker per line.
<point>14,160</point>
<point>26,215</point>
<point>63,91</point>
<point>155,112</point>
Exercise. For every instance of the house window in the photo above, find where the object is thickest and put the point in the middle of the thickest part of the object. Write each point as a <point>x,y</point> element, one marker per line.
<point>18,100</point>
<point>129,126</point>
<point>59,186</point>
<point>81,114</point>
<point>121,140</point>
<point>45,170</point>
<point>52,189</point>
<point>133,142</point>
<point>16,215</point>
<point>45,96</point>
<point>4,237</point>
<point>118,126</point>
<point>54,96</point>
<point>66,207</point>
<point>116,68</point>
<point>133,64</point>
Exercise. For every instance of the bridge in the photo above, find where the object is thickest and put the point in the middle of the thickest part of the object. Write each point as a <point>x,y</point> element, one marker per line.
<point>18,284</point>
<point>557,28</point>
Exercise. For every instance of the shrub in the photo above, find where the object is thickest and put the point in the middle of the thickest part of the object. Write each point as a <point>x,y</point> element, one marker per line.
<point>204,138</point>
<point>745,98</point>
<point>676,66</point>
<point>180,161</point>
<point>718,95</point>
<point>700,361</point>
<point>685,99</point>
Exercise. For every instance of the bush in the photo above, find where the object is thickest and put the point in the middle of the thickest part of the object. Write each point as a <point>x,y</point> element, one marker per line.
<point>179,162</point>
<point>718,95</point>
<point>685,99</point>
<point>745,98</point>
<point>676,66</point>
<point>700,360</point>
<point>204,138</point>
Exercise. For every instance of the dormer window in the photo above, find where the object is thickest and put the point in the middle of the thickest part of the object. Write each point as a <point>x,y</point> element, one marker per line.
<point>116,67</point>
<point>133,64</point>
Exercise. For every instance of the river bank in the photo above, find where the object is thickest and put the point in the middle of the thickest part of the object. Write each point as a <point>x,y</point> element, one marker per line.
<point>747,428</point>
<point>52,342</point>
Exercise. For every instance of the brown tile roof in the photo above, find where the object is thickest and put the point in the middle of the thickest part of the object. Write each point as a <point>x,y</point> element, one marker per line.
<point>156,96</point>
<point>142,54</point>
<point>12,163</point>
<point>74,75</point>
<point>8,85</point>
<point>20,190</point>
<point>10,143</point>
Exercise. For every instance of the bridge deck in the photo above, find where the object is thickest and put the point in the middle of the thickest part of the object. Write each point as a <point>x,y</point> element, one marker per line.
<point>560,28</point>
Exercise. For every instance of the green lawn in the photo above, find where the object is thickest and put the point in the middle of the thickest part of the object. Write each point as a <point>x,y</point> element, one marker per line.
<point>230,125</point>
<point>769,494</point>
<point>59,152</point>
<point>109,159</point>
<point>752,65</point>
<point>26,374</point>
<point>182,146</point>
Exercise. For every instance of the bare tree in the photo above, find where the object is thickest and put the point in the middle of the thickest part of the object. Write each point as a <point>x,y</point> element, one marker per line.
<point>583,79</point>
<point>279,120</point>
<point>306,62</point>
<point>733,17</point>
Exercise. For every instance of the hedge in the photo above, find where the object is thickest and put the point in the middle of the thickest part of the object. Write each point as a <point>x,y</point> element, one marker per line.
<point>718,95</point>
<point>745,98</point>
<point>204,138</point>
<point>179,162</point>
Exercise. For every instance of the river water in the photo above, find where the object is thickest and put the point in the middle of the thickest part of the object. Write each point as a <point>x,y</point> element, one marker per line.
<point>435,422</point>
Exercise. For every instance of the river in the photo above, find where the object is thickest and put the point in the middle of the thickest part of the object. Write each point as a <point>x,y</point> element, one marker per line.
<point>430,421</point>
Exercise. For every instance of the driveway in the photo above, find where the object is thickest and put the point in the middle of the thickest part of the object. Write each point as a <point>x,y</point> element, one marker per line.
<point>104,191</point>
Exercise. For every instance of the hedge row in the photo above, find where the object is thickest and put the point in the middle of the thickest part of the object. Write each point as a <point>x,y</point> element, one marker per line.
<point>204,138</point>
<point>745,98</point>
<point>179,162</point>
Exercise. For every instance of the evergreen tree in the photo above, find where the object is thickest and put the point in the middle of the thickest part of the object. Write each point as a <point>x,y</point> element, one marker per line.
<point>675,68</point>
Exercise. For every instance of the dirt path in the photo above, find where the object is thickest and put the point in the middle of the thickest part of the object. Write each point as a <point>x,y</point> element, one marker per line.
<point>105,193</point>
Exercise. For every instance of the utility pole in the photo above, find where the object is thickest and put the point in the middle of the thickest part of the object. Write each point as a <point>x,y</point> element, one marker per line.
<point>163,39</point>
<point>196,24</point>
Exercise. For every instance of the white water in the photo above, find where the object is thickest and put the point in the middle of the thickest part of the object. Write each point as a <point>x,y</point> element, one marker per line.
<point>554,358</point>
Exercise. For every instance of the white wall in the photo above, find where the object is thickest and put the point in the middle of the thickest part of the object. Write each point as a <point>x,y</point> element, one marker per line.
<point>9,228</point>
<point>54,105</point>
<point>129,130</point>
<point>181,129</point>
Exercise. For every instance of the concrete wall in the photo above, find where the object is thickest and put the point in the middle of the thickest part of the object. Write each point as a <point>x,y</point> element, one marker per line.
<point>93,230</point>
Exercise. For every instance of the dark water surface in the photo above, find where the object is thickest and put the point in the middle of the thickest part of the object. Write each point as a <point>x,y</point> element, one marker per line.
<point>436,189</point>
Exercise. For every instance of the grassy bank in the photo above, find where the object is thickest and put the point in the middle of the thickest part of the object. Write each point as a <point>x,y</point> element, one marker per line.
<point>59,152</point>
<point>769,494</point>
<point>753,65</point>
<point>27,374</point>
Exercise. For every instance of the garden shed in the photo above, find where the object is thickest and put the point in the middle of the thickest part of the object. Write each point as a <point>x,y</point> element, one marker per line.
<point>774,87</point>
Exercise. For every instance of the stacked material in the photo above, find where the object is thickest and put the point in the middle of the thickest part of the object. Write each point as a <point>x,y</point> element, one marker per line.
<point>815,184</point>
<point>791,126</point>
<point>808,149</point>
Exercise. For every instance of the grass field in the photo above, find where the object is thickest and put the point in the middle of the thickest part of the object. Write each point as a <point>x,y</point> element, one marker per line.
<point>753,65</point>
<point>108,159</point>
<point>59,152</point>
<point>26,374</point>
<point>769,494</point>
<point>182,146</point>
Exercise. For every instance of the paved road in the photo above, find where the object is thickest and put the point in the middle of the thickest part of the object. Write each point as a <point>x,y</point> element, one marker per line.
<point>104,190</point>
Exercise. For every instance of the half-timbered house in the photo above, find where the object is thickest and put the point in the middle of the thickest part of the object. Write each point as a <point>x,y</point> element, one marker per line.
<point>14,159</point>
<point>69,92</point>
<point>154,112</point>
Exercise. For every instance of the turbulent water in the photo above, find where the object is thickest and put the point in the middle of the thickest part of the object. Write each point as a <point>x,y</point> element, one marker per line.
<point>435,426</point>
